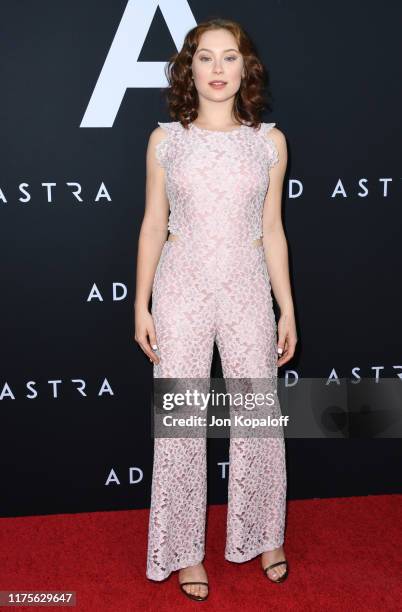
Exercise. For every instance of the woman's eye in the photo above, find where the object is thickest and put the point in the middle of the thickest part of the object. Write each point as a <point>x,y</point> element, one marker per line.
<point>230,57</point>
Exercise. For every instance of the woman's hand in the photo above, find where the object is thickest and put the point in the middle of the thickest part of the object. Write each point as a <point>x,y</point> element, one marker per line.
<point>145,333</point>
<point>287,337</point>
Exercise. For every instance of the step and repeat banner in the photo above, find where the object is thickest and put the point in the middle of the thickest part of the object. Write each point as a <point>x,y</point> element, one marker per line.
<point>82,89</point>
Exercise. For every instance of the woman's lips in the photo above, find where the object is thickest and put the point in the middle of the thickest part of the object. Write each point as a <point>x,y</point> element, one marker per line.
<point>217,85</point>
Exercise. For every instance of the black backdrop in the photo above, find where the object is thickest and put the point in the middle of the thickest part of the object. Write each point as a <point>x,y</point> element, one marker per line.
<point>75,387</point>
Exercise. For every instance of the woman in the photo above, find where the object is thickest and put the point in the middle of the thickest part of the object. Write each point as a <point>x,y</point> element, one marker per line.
<point>219,171</point>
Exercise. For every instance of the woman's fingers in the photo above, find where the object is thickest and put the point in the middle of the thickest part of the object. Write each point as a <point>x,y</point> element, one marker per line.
<point>146,347</point>
<point>153,345</point>
<point>289,348</point>
<point>152,339</point>
<point>145,336</point>
<point>147,341</point>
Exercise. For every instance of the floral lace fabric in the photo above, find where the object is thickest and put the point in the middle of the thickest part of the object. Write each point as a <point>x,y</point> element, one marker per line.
<point>213,176</point>
<point>212,285</point>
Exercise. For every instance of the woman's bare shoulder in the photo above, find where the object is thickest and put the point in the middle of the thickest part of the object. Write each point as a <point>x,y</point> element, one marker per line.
<point>276,134</point>
<point>157,135</point>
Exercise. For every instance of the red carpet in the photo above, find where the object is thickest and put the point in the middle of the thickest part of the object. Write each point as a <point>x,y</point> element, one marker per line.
<point>344,554</point>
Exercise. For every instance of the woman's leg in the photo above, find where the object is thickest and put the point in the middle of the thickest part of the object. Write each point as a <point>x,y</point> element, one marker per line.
<point>247,343</point>
<point>184,324</point>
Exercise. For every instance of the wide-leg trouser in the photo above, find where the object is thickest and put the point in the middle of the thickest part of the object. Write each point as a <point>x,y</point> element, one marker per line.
<point>204,294</point>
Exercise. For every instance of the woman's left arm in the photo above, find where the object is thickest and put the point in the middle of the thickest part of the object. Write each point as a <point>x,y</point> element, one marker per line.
<point>276,250</point>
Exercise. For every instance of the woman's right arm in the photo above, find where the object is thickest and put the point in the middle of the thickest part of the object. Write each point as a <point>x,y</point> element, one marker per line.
<point>152,237</point>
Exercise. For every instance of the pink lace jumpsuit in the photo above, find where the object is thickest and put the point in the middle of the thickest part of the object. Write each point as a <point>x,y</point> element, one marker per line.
<point>212,285</point>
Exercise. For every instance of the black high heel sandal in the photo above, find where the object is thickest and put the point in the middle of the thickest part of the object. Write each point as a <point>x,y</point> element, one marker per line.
<point>281,578</point>
<point>190,595</point>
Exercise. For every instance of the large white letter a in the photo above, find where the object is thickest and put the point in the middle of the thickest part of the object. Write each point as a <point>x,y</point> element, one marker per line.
<point>121,68</point>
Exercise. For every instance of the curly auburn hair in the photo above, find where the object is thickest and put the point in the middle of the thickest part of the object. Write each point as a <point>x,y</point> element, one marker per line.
<point>182,95</point>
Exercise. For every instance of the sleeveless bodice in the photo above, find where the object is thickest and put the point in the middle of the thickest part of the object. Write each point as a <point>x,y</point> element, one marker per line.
<point>216,181</point>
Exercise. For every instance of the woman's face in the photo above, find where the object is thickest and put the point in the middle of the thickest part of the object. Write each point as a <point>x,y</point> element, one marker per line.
<point>217,58</point>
